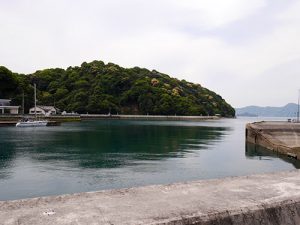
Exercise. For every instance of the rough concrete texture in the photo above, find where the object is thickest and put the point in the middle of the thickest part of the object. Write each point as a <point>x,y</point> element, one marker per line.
<point>283,137</point>
<point>258,199</point>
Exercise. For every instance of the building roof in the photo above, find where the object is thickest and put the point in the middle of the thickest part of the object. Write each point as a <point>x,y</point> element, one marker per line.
<point>46,108</point>
<point>9,107</point>
<point>5,100</point>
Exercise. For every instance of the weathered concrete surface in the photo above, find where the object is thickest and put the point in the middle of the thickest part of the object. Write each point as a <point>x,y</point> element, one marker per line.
<point>258,199</point>
<point>282,137</point>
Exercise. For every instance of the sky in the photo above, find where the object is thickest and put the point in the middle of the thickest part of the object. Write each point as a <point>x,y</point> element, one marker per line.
<point>246,51</point>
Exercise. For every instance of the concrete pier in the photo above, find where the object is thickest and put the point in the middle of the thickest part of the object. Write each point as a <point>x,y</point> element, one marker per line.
<point>251,200</point>
<point>282,137</point>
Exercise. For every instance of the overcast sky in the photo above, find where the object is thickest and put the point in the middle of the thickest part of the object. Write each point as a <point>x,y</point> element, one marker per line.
<point>246,51</point>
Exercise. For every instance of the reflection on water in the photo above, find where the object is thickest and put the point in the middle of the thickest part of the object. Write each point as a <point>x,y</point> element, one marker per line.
<point>107,144</point>
<point>95,155</point>
<point>255,152</point>
<point>7,154</point>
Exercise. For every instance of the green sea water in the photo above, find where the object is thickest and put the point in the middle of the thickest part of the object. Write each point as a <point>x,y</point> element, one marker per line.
<point>97,155</point>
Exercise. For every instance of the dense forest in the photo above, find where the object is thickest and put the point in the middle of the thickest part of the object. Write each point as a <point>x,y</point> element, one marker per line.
<point>97,87</point>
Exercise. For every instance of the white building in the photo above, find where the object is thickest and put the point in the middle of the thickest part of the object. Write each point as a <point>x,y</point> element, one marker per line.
<point>5,107</point>
<point>44,110</point>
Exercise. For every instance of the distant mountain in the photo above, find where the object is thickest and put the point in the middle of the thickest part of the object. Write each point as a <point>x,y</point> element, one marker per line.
<point>246,114</point>
<point>289,110</point>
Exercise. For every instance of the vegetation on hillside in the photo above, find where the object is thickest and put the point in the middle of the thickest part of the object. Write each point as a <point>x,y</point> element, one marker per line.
<point>102,88</point>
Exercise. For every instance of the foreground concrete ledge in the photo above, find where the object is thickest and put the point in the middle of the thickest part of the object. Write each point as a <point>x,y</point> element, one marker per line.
<point>257,199</point>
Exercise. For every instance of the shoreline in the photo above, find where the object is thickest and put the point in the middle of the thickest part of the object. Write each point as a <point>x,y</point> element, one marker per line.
<point>147,117</point>
<point>11,120</point>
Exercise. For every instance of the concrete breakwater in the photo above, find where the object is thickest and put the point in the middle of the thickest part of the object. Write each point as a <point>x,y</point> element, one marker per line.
<point>147,117</point>
<point>11,120</point>
<point>281,137</point>
<point>250,200</point>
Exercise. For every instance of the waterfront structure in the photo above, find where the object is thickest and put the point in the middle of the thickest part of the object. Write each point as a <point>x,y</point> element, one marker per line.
<point>5,107</point>
<point>43,110</point>
<point>281,137</point>
<point>148,117</point>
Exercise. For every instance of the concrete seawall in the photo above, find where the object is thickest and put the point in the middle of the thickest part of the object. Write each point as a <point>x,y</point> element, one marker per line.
<point>251,200</point>
<point>147,117</point>
<point>282,137</point>
<point>69,118</point>
<point>58,118</point>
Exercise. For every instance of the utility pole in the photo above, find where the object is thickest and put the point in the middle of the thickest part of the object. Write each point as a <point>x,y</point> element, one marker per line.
<point>23,104</point>
<point>35,101</point>
<point>298,106</point>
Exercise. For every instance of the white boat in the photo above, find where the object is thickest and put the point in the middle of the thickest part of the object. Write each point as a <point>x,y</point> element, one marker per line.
<point>32,123</point>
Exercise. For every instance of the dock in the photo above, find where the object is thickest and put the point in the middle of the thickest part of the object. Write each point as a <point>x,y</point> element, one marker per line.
<point>53,123</point>
<point>281,137</point>
<point>8,123</point>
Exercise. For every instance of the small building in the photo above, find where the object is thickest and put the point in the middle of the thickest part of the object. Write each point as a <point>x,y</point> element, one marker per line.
<point>6,108</point>
<point>44,110</point>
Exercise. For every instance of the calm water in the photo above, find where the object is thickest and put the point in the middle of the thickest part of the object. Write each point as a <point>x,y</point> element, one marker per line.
<point>95,155</point>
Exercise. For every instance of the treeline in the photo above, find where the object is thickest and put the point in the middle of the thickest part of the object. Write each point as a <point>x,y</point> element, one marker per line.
<point>102,88</point>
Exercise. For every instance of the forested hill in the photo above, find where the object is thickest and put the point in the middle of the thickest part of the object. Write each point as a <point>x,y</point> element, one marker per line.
<point>102,88</point>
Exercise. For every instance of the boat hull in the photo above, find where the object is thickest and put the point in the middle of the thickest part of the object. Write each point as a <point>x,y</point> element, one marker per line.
<point>32,124</point>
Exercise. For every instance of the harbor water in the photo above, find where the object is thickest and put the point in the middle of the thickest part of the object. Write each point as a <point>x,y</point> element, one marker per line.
<point>109,154</point>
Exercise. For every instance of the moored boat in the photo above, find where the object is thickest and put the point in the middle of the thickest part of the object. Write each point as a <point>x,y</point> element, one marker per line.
<point>32,123</point>
<point>35,122</point>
